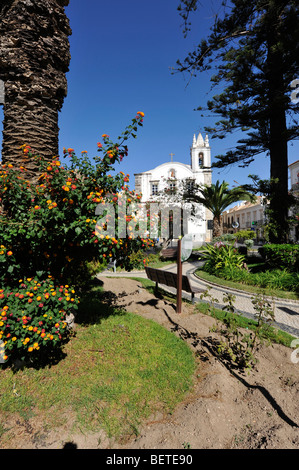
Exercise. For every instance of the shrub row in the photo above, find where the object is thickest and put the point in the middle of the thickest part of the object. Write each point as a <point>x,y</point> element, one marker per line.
<point>273,279</point>
<point>281,256</point>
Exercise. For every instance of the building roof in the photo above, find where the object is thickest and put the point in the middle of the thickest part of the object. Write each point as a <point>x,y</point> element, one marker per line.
<point>244,205</point>
<point>188,167</point>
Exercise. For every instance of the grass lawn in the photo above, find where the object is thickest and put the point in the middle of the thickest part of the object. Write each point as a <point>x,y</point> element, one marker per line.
<point>247,288</point>
<point>154,262</point>
<point>118,369</point>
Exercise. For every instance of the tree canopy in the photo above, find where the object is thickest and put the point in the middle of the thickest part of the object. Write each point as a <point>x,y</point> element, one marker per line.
<point>254,47</point>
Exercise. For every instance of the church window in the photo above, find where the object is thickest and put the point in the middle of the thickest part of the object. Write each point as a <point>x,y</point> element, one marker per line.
<point>172,173</point>
<point>190,185</point>
<point>200,159</point>
<point>154,189</point>
<point>172,187</point>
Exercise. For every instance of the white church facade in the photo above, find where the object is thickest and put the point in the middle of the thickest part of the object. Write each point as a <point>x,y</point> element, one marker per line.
<point>167,178</point>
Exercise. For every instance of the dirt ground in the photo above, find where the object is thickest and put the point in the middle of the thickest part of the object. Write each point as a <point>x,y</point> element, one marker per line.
<point>225,410</point>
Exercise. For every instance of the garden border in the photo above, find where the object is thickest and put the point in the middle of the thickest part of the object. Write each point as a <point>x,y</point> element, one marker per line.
<point>239,291</point>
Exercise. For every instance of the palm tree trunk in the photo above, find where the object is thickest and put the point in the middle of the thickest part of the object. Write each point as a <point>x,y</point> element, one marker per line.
<point>217,230</point>
<point>34,58</point>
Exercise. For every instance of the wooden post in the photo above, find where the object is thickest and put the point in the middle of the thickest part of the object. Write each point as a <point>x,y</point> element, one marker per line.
<point>179,278</point>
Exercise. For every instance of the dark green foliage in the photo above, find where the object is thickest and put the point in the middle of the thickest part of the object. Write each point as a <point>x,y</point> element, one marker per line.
<point>281,256</point>
<point>272,279</point>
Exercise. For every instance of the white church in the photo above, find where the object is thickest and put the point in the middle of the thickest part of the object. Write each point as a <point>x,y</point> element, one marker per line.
<point>167,177</point>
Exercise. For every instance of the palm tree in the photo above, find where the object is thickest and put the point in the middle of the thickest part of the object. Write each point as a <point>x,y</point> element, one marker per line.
<point>34,58</point>
<point>217,198</point>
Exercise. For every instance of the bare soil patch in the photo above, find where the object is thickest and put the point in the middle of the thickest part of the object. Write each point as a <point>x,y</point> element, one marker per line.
<point>225,409</point>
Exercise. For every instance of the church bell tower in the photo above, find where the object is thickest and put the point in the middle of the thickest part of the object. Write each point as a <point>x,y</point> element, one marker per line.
<point>201,157</point>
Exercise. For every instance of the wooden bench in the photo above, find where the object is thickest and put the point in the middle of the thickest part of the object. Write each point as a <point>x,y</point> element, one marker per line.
<point>170,279</point>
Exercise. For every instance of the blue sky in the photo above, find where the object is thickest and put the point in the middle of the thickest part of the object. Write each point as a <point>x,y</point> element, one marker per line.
<point>122,54</point>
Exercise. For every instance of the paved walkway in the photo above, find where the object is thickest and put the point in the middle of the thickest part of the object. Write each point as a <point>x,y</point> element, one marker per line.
<point>286,311</point>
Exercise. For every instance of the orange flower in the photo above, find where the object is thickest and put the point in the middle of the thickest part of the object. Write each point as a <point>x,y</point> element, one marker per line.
<point>9,253</point>
<point>140,113</point>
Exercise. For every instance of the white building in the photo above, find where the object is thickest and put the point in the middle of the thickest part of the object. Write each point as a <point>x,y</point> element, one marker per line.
<point>251,216</point>
<point>294,174</point>
<point>167,178</point>
<point>244,216</point>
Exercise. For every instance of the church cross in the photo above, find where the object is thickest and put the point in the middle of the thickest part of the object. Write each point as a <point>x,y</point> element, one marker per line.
<point>171,155</point>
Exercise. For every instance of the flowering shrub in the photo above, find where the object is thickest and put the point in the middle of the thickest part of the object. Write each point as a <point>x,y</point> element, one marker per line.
<point>33,317</point>
<point>49,226</point>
